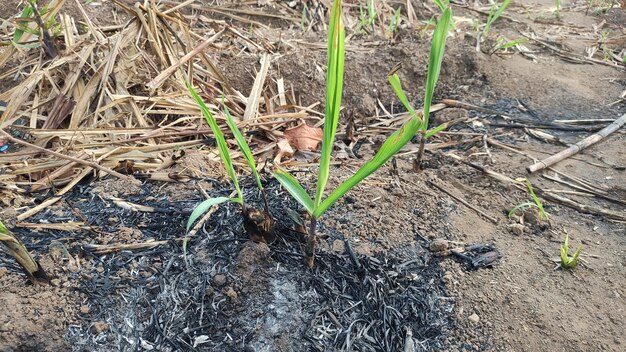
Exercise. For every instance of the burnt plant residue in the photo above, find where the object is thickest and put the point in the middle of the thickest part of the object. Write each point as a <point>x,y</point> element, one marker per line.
<point>230,294</point>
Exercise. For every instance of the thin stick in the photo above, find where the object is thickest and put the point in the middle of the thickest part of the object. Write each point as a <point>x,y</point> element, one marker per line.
<point>67,157</point>
<point>586,189</point>
<point>487,149</point>
<point>158,80</point>
<point>487,216</point>
<point>111,248</point>
<point>594,138</point>
<point>252,104</point>
<point>615,215</point>
<point>484,170</point>
<point>589,209</point>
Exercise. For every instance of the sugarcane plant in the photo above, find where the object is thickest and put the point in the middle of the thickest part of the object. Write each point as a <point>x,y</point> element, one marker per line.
<point>45,30</point>
<point>259,223</point>
<point>536,203</point>
<point>568,262</point>
<point>495,12</point>
<point>318,205</point>
<point>16,248</point>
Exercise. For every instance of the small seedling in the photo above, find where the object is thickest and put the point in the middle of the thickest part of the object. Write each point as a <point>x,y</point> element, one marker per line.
<point>31,13</point>
<point>317,206</point>
<point>426,25</point>
<point>366,20</point>
<point>503,43</point>
<point>568,262</point>
<point>543,215</point>
<point>494,13</point>
<point>557,11</point>
<point>393,24</point>
<point>303,16</point>
<point>258,223</point>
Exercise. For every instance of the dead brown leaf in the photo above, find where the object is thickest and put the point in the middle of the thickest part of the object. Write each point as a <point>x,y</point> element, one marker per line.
<point>304,137</point>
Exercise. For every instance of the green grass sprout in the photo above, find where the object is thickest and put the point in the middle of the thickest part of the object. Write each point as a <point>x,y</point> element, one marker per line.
<point>393,24</point>
<point>22,26</point>
<point>557,11</point>
<point>366,20</point>
<point>494,13</point>
<point>503,43</point>
<point>568,262</point>
<point>543,215</point>
<point>31,21</point>
<point>317,206</point>
<point>442,4</point>
<point>303,16</point>
<point>438,46</point>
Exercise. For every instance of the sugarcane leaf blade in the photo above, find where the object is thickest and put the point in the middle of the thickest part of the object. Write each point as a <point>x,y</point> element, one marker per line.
<point>295,189</point>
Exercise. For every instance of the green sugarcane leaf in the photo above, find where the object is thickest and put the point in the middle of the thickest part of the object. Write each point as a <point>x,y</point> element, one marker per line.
<point>219,138</point>
<point>22,26</point>
<point>542,213</point>
<point>568,262</point>
<point>437,49</point>
<point>391,146</point>
<point>564,250</point>
<point>334,87</point>
<point>295,189</point>
<point>494,14</point>
<point>434,131</point>
<point>398,139</point>
<point>394,81</point>
<point>203,208</point>
<point>442,4</point>
<point>520,207</point>
<point>577,254</point>
<point>243,146</point>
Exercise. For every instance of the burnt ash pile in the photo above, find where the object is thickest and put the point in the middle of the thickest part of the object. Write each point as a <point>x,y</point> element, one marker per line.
<point>231,294</point>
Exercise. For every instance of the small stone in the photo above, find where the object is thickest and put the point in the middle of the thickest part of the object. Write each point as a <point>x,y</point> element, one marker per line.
<point>100,269</point>
<point>219,280</point>
<point>3,271</point>
<point>55,282</point>
<point>338,246</point>
<point>474,318</point>
<point>516,229</point>
<point>438,245</point>
<point>85,309</point>
<point>448,277</point>
<point>231,294</point>
<point>531,217</point>
<point>100,327</point>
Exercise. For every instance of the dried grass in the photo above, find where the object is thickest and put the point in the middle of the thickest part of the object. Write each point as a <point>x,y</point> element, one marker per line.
<point>117,95</point>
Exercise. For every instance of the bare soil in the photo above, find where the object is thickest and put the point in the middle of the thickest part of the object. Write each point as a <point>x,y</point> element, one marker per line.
<point>227,293</point>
